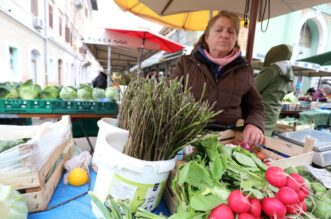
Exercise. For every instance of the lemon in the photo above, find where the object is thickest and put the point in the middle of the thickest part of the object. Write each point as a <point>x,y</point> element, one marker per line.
<point>77,176</point>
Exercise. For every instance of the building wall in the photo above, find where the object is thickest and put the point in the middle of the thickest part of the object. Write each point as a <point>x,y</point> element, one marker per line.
<point>59,57</point>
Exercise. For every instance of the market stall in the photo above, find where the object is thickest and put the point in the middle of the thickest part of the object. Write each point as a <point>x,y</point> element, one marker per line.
<point>132,169</point>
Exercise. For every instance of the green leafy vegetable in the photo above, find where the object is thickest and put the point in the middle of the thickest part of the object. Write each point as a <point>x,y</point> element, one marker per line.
<point>28,90</point>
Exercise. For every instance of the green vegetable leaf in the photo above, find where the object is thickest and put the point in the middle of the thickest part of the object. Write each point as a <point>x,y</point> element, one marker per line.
<point>182,173</point>
<point>205,203</point>
<point>217,168</point>
<point>198,176</point>
<point>243,159</point>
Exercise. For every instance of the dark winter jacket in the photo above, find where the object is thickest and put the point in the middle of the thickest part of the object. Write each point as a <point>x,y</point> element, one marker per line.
<point>100,81</point>
<point>232,88</point>
<point>273,83</point>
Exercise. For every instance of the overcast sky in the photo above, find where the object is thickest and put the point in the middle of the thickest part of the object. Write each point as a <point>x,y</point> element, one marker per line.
<point>110,15</point>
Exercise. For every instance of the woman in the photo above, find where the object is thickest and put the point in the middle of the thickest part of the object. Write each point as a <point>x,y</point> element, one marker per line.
<point>216,61</point>
<point>273,82</point>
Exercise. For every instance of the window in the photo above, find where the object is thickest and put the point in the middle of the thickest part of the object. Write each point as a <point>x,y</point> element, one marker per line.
<point>67,34</point>
<point>35,56</point>
<point>13,60</point>
<point>305,36</point>
<point>50,16</point>
<point>60,25</point>
<point>34,7</point>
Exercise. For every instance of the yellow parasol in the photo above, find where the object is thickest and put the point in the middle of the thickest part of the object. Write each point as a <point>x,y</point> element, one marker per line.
<point>195,14</point>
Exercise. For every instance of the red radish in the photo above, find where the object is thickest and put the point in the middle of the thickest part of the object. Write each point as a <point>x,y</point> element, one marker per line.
<point>293,209</point>
<point>273,207</point>
<point>292,184</point>
<point>303,206</point>
<point>276,176</point>
<point>245,146</point>
<point>255,208</point>
<point>287,196</point>
<point>238,202</point>
<point>245,216</point>
<point>222,211</point>
<point>302,195</point>
<point>305,189</point>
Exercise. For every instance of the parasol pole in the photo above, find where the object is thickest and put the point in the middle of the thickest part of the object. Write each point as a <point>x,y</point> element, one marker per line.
<point>251,31</point>
<point>141,53</point>
<point>109,66</point>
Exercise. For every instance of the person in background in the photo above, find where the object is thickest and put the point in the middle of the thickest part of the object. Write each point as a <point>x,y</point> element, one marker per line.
<point>216,62</point>
<point>153,74</point>
<point>319,94</point>
<point>273,83</point>
<point>100,81</point>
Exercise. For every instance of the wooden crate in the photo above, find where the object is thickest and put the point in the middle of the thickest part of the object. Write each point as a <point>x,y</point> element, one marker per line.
<point>284,154</point>
<point>290,128</point>
<point>38,187</point>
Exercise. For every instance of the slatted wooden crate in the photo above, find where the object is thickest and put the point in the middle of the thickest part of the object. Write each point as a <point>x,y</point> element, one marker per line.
<point>35,167</point>
<point>40,189</point>
<point>284,154</point>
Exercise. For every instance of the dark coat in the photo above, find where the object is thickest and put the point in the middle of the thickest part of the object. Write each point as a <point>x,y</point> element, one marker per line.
<point>100,81</point>
<point>234,91</point>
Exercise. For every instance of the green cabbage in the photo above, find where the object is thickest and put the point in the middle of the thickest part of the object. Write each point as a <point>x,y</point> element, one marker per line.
<point>12,204</point>
<point>28,90</point>
<point>84,92</point>
<point>8,90</point>
<point>112,94</point>
<point>68,93</point>
<point>50,92</point>
<point>98,93</point>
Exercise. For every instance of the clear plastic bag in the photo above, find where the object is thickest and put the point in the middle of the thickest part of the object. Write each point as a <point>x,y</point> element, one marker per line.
<point>23,159</point>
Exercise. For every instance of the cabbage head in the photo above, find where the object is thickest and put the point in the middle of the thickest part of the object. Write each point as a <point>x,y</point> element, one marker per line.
<point>84,92</point>
<point>112,94</point>
<point>98,93</point>
<point>12,204</point>
<point>28,90</point>
<point>50,92</point>
<point>8,90</point>
<point>68,93</point>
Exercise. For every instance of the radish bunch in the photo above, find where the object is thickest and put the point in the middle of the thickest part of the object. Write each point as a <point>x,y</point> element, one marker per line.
<point>238,203</point>
<point>288,200</point>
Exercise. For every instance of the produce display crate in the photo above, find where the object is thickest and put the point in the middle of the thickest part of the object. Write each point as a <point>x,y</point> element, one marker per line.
<point>293,127</point>
<point>26,106</point>
<point>74,107</point>
<point>284,154</point>
<point>38,187</point>
<point>107,108</point>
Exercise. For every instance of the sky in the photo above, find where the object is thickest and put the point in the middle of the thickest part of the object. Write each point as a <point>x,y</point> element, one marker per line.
<point>110,15</point>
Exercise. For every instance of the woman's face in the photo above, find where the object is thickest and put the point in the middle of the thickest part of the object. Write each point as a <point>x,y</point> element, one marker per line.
<point>221,38</point>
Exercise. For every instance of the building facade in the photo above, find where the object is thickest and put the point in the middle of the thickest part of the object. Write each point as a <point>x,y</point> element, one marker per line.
<point>42,40</point>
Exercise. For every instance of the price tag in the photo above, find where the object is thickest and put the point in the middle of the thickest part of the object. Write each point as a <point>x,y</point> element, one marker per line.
<point>321,174</point>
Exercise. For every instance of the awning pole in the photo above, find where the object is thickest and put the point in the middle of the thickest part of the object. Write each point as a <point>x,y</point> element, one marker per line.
<point>109,66</point>
<point>251,31</point>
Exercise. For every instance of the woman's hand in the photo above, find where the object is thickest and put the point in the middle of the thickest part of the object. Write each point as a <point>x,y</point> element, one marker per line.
<point>253,135</point>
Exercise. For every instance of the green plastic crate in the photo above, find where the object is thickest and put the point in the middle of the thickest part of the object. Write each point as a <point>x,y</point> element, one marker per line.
<point>74,107</point>
<point>26,106</point>
<point>107,108</point>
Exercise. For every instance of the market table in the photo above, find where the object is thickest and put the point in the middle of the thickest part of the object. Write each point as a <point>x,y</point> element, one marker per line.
<point>79,208</point>
<point>321,117</point>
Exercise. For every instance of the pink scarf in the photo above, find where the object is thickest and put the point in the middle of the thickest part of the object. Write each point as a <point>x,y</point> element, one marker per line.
<point>225,60</point>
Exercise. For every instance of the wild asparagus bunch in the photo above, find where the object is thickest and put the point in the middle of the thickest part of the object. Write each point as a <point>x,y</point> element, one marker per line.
<point>162,117</point>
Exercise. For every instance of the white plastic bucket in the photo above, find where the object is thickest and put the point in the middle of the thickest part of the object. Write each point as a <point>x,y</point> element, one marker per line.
<point>127,178</point>
<point>106,126</point>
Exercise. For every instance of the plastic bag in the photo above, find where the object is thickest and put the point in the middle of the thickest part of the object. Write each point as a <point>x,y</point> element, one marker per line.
<point>82,160</point>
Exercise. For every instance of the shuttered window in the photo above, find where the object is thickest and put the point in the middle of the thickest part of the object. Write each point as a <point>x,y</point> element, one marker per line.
<point>34,7</point>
